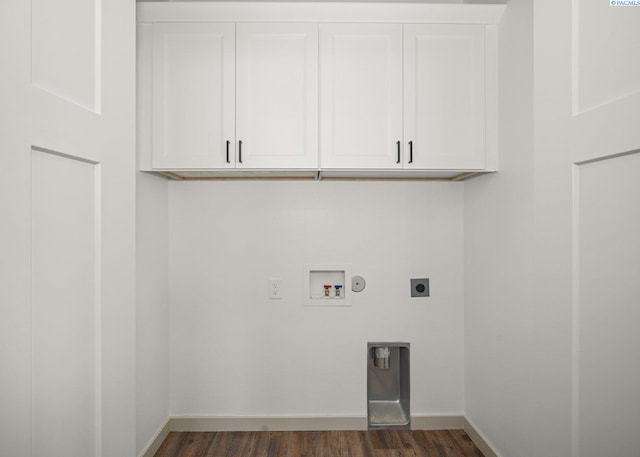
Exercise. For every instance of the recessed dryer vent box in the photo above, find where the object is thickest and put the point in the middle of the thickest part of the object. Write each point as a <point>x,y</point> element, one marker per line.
<point>327,285</point>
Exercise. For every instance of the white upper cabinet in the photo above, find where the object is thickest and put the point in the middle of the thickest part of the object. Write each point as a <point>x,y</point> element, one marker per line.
<point>360,95</point>
<point>444,96</point>
<point>366,75</point>
<point>306,90</point>
<point>235,96</point>
<point>193,95</point>
<point>277,95</point>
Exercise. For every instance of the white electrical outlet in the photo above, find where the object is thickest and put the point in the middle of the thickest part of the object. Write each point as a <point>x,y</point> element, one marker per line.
<point>275,288</point>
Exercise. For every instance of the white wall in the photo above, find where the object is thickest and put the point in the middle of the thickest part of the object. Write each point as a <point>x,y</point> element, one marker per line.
<point>499,334</point>
<point>233,352</point>
<point>152,307</point>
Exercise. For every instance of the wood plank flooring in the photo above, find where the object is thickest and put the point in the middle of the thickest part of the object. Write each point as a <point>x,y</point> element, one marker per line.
<point>371,443</point>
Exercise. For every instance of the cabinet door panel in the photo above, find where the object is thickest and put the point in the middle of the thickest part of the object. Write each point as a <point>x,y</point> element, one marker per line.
<point>277,95</point>
<point>193,95</point>
<point>445,95</point>
<point>361,95</point>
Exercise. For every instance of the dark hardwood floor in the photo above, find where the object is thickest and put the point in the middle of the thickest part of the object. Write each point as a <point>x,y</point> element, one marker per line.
<point>372,443</point>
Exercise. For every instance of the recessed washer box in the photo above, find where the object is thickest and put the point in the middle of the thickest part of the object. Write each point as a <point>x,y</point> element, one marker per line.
<point>317,276</point>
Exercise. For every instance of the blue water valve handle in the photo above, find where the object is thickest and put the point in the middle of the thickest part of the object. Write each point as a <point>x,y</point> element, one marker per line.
<point>338,287</point>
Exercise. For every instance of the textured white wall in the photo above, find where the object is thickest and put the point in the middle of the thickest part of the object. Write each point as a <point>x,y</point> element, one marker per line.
<point>152,307</point>
<point>234,352</point>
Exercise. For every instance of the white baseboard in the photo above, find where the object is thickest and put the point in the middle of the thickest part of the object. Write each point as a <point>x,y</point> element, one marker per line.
<point>479,439</point>
<point>266,423</point>
<point>301,423</point>
<point>154,444</point>
<point>450,422</point>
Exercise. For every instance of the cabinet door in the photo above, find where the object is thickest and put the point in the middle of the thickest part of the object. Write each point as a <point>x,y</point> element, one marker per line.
<point>193,95</point>
<point>360,95</point>
<point>444,86</point>
<point>277,95</point>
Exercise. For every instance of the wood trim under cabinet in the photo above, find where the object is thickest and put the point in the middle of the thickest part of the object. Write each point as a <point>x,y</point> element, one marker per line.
<point>175,175</point>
